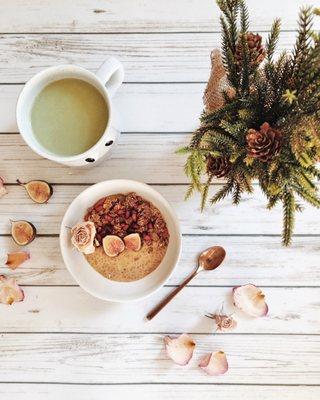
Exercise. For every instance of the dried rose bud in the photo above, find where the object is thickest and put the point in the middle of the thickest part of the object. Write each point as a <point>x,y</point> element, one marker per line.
<point>224,322</point>
<point>82,237</point>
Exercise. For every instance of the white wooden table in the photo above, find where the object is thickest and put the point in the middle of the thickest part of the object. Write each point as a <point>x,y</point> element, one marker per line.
<point>61,343</point>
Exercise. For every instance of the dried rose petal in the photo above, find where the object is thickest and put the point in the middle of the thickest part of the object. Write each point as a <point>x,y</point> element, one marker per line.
<point>180,349</point>
<point>82,237</point>
<point>251,300</point>
<point>10,291</point>
<point>3,190</point>
<point>214,363</point>
<point>224,322</point>
<point>14,260</point>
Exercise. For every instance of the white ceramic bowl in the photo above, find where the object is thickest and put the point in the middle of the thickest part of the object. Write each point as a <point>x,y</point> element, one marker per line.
<point>90,280</point>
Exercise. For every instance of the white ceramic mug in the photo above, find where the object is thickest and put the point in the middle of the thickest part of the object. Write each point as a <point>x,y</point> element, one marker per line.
<point>107,80</point>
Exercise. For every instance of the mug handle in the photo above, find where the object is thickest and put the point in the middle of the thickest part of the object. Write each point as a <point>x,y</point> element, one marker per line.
<point>111,73</point>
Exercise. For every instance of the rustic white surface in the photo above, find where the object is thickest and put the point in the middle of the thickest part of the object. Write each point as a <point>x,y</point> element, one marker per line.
<point>62,343</point>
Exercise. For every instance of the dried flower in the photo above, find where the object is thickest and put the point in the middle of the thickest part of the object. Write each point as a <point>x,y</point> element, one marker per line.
<point>10,291</point>
<point>251,300</point>
<point>224,322</point>
<point>214,363</point>
<point>290,96</point>
<point>82,237</point>
<point>180,349</point>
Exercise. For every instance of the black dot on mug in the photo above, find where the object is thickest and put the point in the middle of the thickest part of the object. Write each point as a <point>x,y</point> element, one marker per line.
<point>90,159</point>
<point>109,143</point>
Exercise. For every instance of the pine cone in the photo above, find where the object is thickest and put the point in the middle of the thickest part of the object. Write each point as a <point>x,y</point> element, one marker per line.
<point>218,166</point>
<point>256,50</point>
<point>265,143</point>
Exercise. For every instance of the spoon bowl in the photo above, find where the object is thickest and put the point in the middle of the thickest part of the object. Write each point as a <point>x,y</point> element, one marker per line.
<point>211,258</point>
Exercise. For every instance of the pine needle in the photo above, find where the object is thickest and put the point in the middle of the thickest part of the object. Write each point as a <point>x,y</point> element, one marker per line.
<point>205,192</point>
<point>273,39</point>
<point>288,216</point>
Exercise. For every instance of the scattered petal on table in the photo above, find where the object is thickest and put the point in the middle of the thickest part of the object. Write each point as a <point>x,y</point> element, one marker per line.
<point>251,300</point>
<point>180,349</point>
<point>10,291</point>
<point>214,363</point>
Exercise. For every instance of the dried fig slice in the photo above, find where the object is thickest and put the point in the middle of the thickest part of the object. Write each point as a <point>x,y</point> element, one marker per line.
<point>23,232</point>
<point>132,241</point>
<point>38,191</point>
<point>112,245</point>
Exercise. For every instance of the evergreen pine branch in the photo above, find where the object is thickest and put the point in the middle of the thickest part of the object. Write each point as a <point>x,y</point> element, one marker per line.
<point>314,171</point>
<point>288,216</point>
<point>272,202</point>
<point>190,192</point>
<point>230,9</point>
<point>304,181</point>
<point>193,168</point>
<point>245,182</point>
<point>300,52</point>
<point>184,150</point>
<point>205,192</point>
<point>273,38</point>
<point>217,115</point>
<point>236,194</point>
<point>221,136</point>
<point>245,70</point>
<point>223,192</point>
<point>244,18</point>
<point>307,195</point>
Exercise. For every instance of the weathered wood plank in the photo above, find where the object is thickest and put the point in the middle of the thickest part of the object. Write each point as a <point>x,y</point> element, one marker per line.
<point>125,16</point>
<point>140,107</point>
<point>249,217</point>
<point>173,57</point>
<point>23,391</point>
<point>144,157</point>
<point>261,260</point>
<point>291,310</point>
<point>135,358</point>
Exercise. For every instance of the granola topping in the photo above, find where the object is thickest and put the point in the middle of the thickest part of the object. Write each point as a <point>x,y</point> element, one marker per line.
<point>122,215</point>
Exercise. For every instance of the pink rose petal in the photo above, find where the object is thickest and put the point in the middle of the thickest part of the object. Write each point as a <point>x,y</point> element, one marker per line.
<point>214,364</point>
<point>180,349</point>
<point>3,189</point>
<point>14,260</point>
<point>10,291</point>
<point>251,300</point>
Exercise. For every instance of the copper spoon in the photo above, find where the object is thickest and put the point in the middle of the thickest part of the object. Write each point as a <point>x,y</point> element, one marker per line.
<point>208,260</point>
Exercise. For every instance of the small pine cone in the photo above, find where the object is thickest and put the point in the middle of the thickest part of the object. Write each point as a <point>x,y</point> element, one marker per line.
<point>218,166</point>
<point>265,143</point>
<point>256,49</point>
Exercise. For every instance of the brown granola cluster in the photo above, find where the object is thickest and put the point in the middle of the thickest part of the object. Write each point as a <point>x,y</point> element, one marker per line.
<point>126,214</point>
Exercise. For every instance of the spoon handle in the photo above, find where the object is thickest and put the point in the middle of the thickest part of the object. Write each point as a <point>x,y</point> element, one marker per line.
<point>169,297</point>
